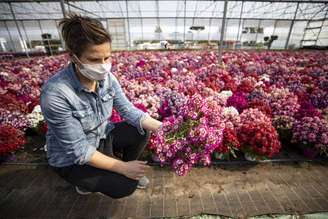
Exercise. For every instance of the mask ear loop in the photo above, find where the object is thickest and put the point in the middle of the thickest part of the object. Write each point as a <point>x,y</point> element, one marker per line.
<point>76,62</point>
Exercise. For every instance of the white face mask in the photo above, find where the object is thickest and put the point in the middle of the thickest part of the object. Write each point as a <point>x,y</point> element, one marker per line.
<point>95,72</point>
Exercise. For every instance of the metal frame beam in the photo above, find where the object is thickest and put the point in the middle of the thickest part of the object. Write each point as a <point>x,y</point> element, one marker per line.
<point>145,18</point>
<point>62,6</point>
<point>18,29</point>
<point>12,46</point>
<point>240,18</point>
<point>291,26</point>
<point>222,32</point>
<point>210,23</point>
<point>184,20</point>
<point>128,20</point>
<point>272,1</point>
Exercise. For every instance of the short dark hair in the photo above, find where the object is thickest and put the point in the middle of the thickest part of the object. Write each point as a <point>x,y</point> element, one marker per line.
<point>80,31</point>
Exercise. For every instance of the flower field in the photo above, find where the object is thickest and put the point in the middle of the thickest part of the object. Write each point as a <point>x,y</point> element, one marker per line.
<point>256,102</point>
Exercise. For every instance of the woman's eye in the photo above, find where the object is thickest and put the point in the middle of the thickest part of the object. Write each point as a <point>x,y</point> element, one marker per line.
<point>94,60</point>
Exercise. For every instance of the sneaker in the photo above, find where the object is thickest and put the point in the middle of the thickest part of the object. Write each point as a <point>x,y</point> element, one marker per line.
<point>82,191</point>
<point>143,182</point>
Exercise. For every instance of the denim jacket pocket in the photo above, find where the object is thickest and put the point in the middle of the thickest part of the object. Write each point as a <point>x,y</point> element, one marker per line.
<point>108,95</point>
<point>107,102</point>
<point>86,118</point>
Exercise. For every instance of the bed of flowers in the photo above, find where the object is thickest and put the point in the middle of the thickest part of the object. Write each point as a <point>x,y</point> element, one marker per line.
<point>255,103</point>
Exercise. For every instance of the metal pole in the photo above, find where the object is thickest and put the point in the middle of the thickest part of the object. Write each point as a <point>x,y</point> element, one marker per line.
<point>27,38</point>
<point>176,21</point>
<point>323,21</point>
<point>222,32</point>
<point>141,21</point>
<point>18,29</point>
<point>257,31</point>
<point>10,37</point>
<point>210,24</point>
<point>184,21</point>
<point>127,17</point>
<point>240,16</point>
<point>63,7</point>
<point>157,18</point>
<point>291,26</point>
<point>60,36</point>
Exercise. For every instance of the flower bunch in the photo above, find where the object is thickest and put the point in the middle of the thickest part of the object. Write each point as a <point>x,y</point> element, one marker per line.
<point>261,105</point>
<point>230,143</point>
<point>238,100</point>
<point>190,137</point>
<point>256,134</point>
<point>312,132</point>
<point>283,122</point>
<point>11,139</point>
<point>223,96</point>
<point>307,110</point>
<point>231,114</point>
<point>247,85</point>
<point>172,102</point>
<point>283,102</point>
<point>319,98</point>
<point>34,118</point>
<point>15,119</point>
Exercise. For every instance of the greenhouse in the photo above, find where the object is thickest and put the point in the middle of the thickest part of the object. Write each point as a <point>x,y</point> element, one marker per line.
<point>164,109</point>
<point>143,24</point>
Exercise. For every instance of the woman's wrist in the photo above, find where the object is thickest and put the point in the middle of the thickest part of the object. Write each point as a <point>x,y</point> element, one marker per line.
<point>119,167</point>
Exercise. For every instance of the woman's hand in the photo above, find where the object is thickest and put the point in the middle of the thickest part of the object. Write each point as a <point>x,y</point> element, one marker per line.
<point>135,169</point>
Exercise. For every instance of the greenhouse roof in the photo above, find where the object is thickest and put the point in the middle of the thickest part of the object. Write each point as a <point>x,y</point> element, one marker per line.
<point>148,9</point>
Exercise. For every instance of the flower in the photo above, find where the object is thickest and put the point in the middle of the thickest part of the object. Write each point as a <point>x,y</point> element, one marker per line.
<point>190,136</point>
<point>256,134</point>
<point>230,114</point>
<point>11,139</point>
<point>283,102</point>
<point>230,142</point>
<point>35,117</point>
<point>312,132</point>
<point>237,100</point>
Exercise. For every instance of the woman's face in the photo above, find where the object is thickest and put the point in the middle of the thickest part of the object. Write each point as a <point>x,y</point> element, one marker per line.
<point>97,54</point>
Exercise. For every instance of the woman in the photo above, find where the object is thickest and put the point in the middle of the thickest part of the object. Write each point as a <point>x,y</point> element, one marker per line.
<point>77,103</point>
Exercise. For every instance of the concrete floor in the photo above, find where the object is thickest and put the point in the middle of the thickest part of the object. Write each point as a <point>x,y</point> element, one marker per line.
<point>237,191</point>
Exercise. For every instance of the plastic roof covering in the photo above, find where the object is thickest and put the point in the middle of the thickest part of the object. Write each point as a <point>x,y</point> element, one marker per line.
<point>275,18</point>
<point>163,9</point>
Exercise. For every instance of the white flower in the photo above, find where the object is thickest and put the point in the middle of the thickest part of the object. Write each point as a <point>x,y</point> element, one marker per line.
<point>35,117</point>
<point>265,77</point>
<point>230,111</point>
<point>227,93</point>
<point>174,70</point>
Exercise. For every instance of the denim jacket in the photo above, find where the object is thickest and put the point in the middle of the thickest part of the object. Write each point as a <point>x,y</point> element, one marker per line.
<point>77,118</point>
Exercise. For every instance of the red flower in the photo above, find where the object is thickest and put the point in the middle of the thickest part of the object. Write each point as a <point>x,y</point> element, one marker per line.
<point>10,139</point>
<point>257,135</point>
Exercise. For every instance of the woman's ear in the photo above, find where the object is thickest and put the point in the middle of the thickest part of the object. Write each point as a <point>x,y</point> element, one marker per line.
<point>74,58</point>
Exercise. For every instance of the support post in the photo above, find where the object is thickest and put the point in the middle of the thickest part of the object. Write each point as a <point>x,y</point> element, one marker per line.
<point>240,16</point>
<point>10,37</point>
<point>291,26</point>
<point>18,29</point>
<point>222,32</point>
<point>184,21</point>
<point>128,20</point>
<point>62,5</point>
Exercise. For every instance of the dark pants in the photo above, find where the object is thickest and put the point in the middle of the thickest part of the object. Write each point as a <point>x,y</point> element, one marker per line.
<point>124,139</point>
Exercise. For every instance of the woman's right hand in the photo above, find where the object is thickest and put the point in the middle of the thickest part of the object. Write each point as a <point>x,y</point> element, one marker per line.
<point>135,169</point>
